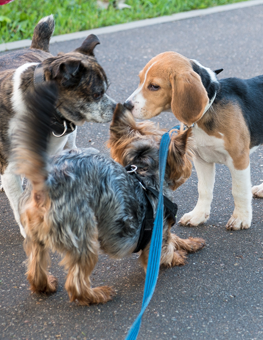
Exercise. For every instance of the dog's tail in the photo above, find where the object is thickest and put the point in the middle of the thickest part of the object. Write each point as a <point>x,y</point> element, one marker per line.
<point>30,142</point>
<point>42,33</point>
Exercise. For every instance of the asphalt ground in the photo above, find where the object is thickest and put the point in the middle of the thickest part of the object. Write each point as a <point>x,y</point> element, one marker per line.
<point>218,293</point>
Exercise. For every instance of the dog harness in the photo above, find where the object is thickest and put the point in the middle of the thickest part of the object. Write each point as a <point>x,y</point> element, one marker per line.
<point>60,125</point>
<point>148,221</point>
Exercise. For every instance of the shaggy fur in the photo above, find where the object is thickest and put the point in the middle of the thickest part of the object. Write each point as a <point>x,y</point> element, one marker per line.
<point>80,201</point>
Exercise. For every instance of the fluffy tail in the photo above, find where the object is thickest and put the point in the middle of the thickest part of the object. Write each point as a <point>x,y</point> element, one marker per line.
<point>42,33</point>
<point>30,142</point>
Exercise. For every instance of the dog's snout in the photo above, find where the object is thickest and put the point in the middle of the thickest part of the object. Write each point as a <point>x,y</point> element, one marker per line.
<point>128,105</point>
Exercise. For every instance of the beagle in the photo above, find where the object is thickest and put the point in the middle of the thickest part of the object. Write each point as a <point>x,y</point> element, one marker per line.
<point>227,120</point>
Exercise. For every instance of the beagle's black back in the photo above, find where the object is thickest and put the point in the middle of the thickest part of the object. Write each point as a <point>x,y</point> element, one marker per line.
<point>248,95</point>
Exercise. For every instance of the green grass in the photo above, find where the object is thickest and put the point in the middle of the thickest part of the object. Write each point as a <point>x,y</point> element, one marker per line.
<point>17,19</point>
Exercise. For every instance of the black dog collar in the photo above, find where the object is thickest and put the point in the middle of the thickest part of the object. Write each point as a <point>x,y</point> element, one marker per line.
<point>147,224</point>
<point>60,125</point>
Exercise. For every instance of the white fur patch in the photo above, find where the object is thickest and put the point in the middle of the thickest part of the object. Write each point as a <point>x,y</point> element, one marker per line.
<point>137,98</point>
<point>253,149</point>
<point>19,106</point>
<point>46,18</point>
<point>210,72</point>
<point>241,190</point>
<point>56,145</point>
<point>12,185</point>
<point>211,149</point>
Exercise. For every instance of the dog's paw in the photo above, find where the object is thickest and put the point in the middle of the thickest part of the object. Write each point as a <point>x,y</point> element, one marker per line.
<point>52,284</point>
<point>236,223</point>
<point>257,191</point>
<point>194,244</point>
<point>48,285</point>
<point>97,295</point>
<point>179,258</point>
<point>194,218</point>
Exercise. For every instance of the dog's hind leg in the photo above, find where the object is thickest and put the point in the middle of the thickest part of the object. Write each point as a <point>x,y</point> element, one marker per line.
<point>71,141</point>
<point>38,262</point>
<point>78,279</point>
<point>80,262</point>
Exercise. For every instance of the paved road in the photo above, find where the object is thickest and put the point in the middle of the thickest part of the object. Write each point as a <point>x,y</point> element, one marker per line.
<point>218,294</point>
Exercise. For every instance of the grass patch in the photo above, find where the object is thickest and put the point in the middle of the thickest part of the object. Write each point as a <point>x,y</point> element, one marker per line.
<point>17,19</point>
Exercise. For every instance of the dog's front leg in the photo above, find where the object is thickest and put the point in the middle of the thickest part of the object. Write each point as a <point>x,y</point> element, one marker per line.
<point>206,179</point>
<point>241,190</point>
<point>71,141</point>
<point>12,185</point>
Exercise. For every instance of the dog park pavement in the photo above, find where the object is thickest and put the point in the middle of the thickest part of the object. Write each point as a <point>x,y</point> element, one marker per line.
<point>218,293</point>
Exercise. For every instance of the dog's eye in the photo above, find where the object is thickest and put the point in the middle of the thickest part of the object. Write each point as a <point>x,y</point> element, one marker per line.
<point>98,95</point>
<point>153,87</point>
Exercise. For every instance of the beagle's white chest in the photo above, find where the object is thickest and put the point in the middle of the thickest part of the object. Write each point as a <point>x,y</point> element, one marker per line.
<point>211,149</point>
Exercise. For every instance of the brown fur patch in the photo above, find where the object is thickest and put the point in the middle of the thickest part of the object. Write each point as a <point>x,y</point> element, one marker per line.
<point>178,159</point>
<point>181,89</point>
<point>174,249</point>
<point>227,120</point>
<point>78,280</point>
<point>124,130</point>
<point>38,262</point>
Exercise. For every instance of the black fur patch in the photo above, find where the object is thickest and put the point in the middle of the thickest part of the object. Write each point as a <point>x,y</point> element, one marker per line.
<point>248,95</point>
<point>210,86</point>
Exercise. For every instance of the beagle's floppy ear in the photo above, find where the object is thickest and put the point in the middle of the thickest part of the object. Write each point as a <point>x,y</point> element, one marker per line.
<point>189,97</point>
<point>179,166</point>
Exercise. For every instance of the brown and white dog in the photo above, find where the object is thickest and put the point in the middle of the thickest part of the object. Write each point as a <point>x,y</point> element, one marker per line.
<point>227,119</point>
<point>82,85</point>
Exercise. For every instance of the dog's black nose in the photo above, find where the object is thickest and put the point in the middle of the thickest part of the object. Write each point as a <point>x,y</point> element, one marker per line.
<point>128,105</point>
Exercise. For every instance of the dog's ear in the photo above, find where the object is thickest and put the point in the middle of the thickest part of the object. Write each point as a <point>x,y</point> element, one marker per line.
<point>118,114</point>
<point>68,72</point>
<point>179,166</point>
<point>120,128</point>
<point>122,122</point>
<point>89,45</point>
<point>189,97</point>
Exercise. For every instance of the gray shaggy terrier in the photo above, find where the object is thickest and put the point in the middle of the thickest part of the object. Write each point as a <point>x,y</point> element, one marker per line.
<point>81,201</point>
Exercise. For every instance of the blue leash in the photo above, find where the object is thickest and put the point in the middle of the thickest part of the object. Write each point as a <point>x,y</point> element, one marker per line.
<point>156,241</point>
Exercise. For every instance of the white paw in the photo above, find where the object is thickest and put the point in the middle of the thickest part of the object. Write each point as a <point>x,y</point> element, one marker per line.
<point>257,190</point>
<point>194,218</point>
<point>238,223</point>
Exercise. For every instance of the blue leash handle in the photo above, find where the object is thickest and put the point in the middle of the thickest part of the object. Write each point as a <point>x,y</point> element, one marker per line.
<point>156,243</point>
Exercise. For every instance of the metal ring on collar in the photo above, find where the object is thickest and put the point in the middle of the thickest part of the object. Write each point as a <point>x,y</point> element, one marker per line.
<point>65,130</point>
<point>133,169</point>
